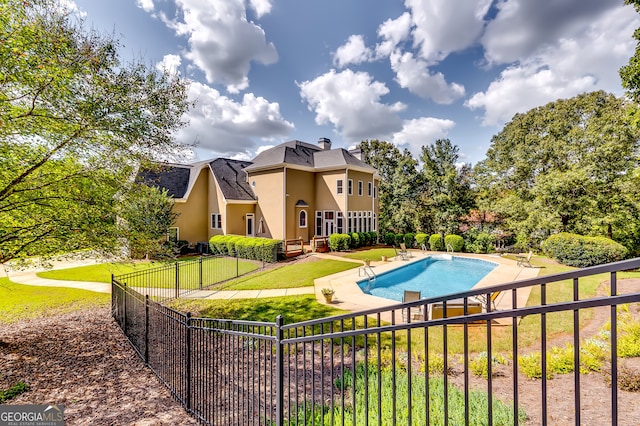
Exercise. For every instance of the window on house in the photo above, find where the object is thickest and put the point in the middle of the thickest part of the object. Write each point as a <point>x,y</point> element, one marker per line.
<point>375,192</point>
<point>302,219</point>
<point>216,221</point>
<point>318,223</point>
<point>340,223</point>
<point>360,187</point>
<point>349,222</point>
<point>369,224</point>
<point>173,235</point>
<point>350,187</point>
<point>369,189</point>
<point>339,186</point>
<point>261,226</point>
<point>375,222</point>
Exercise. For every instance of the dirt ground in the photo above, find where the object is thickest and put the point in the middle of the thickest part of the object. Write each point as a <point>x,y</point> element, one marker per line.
<point>82,360</point>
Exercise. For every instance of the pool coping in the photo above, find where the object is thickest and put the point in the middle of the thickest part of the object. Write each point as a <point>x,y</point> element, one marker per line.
<point>350,297</point>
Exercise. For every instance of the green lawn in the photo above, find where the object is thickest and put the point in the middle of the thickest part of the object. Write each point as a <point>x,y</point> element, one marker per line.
<point>216,270</point>
<point>19,301</point>
<point>290,276</point>
<point>374,255</point>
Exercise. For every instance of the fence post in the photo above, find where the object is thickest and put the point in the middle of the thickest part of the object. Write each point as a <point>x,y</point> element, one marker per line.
<point>188,360</point>
<point>200,259</point>
<point>177,280</point>
<point>237,265</point>
<point>146,329</point>
<point>124,309</point>
<point>279,373</point>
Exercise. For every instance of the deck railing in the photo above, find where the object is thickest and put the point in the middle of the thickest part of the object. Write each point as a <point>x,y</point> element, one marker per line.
<point>369,367</point>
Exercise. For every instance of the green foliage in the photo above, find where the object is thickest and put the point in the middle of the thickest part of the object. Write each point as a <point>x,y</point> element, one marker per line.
<point>560,360</point>
<point>436,243</point>
<point>421,239</point>
<point>409,239</point>
<point>629,337</point>
<point>630,73</point>
<point>390,238</point>
<point>13,391</point>
<point>75,121</point>
<point>399,239</point>
<point>373,238</point>
<point>480,241</point>
<point>256,248</point>
<point>456,242</point>
<point>531,365</point>
<point>479,364</point>
<point>339,242</point>
<point>581,251</point>
<point>354,240</point>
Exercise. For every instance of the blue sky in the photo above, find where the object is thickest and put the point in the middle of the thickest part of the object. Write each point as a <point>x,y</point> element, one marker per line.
<point>267,71</point>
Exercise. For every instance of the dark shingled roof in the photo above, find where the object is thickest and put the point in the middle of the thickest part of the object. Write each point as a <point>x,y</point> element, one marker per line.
<point>232,179</point>
<point>304,154</point>
<point>175,179</point>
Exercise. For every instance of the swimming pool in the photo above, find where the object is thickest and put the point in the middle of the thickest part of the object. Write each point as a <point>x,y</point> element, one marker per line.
<point>433,276</point>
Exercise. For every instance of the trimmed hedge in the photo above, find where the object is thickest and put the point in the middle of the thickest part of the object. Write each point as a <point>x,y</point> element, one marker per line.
<point>408,239</point>
<point>339,242</point>
<point>435,242</point>
<point>390,238</point>
<point>421,239</point>
<point>255,248</point>
<point>455,241</point>
<point>580,251</point>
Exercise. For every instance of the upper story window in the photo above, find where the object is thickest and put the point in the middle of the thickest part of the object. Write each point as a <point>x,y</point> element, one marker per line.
<point>350,186</point>
<point>360,187</point>
<point>339,186</point>
<point>375,192</point>
<point>369,189</point>
<point>216,221</point>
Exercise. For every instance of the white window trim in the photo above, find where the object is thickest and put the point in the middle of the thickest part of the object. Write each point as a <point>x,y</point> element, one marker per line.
<point>216,221</point>
<point>339,186</point>
<point>350,187</point>
<point>177,233</point>
<point>306,219</point>
<point>360,188</point>
<point>369,189</point>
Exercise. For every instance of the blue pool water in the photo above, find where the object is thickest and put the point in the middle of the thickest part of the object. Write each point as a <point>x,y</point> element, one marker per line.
<point>433,276</point>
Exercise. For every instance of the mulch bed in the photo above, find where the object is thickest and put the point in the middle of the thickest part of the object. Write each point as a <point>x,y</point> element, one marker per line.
<point>83,361</point>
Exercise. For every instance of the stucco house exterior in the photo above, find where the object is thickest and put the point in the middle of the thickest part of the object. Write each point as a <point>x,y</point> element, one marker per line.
<point>293,190</point>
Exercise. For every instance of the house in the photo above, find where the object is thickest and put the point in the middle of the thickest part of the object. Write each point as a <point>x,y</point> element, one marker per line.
<point>293,190</point>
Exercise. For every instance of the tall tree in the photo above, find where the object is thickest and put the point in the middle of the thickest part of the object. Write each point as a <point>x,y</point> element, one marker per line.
<point>447,194</point>
<point>399,186</point>
<point>564,166</point>
<point>74,121</point>
<point>630,73</point>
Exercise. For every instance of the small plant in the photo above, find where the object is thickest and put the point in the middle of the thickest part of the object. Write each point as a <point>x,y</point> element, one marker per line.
<point>327,291</point>
<point>478,365</point>
<point>13,391</point>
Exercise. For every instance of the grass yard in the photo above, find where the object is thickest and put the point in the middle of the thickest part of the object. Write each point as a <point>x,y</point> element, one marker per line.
<point>290,276</point>
<point>216,270</point>
<point>374,255</point>
<point>19,301</point>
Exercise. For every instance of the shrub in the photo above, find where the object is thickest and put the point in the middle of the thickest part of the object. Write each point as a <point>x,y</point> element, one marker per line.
<point>435,242</point>
<point>399,239</point>
<point>531,365</point>
<point>373,238</point>
<point>363,238</point>
<point>456,242</point>
<point>408,239</point>
<point>479,367</point>
<point>256,248</point>
<point>421,239</point>
<point>355,240</point>
<point>629,339</point>
<point>339,242</point>
<point>483,243</point>
<point>389,238</point>
<point>580,251</point>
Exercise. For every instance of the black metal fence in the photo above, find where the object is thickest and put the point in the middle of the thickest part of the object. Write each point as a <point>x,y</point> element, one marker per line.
<point>184,278</point>
<point>386,366</point>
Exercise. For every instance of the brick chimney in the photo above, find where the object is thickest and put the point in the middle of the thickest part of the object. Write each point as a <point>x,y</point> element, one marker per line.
<point>324,143</point>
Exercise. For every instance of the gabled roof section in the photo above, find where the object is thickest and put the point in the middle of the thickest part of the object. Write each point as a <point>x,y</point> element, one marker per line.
<point>172,177</point>
<point>232,179</point>
<point>306,155</point>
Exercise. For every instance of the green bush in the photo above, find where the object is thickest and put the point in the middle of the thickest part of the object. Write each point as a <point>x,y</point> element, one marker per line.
<point>580,251</point>
<point>390,238</point>
<point>355,240</point>
<point>339,242</point>
<point>483,243</point>
<point>421,239</point>
<point>479,366</point>
<point>363,238</point>
<point>399,239</point>
<point>456,242</point>
<point>435,242</point>
<point>408,239</point>
<point>373,238</point>
<point>256,248</point>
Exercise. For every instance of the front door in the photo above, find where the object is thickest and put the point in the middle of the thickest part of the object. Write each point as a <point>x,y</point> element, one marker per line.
<point>250,224</point>
<point>328,223</point>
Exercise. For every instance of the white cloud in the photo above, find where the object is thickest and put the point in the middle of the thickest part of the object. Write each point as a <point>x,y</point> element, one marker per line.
<point>170,63</point>
<point>414,74</point>
<point>445,26</point>
<point>421,132</point>
<point>350,101</point>
<point>261,7</point>
<point>588,60</point>
<point>222,43</point>
<point>353,51</point>
<point>521,27</point>
<point>224,126</point>
<point>146,5</point>
<point>393,32</point>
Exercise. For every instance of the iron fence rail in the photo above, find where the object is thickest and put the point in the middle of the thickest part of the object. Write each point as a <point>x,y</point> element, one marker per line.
<point>371,367</point>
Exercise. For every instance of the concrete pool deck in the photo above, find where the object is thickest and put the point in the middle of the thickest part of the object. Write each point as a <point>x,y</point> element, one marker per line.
<point>350,297</point>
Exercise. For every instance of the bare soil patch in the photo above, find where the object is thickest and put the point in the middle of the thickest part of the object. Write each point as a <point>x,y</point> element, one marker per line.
<point>83,361</point>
